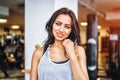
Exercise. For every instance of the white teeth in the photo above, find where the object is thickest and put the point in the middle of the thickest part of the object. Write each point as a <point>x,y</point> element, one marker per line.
<point>60,35</point>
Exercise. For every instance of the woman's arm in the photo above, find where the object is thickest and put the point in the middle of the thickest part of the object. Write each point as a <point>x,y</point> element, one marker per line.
<point>35,61</point>
<point>81,57</point>
<point>78,63</point>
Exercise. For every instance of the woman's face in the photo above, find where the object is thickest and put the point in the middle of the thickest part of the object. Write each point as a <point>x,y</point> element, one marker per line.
<point>62,27</point>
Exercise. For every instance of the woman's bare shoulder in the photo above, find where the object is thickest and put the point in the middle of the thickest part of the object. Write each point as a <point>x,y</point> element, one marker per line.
<point>80,51</point>
<point>38,49</point>
<point>79,48</point>
<point>38,52</point>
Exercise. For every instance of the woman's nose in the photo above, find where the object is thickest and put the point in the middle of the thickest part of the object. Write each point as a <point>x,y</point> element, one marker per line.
<point>62,28</point>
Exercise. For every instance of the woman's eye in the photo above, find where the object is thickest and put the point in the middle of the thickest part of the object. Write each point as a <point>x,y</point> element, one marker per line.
<point>68,27</point>
<point>58,24</point>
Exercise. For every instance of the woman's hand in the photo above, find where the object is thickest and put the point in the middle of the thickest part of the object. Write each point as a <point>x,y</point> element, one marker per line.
<point>69,47</point>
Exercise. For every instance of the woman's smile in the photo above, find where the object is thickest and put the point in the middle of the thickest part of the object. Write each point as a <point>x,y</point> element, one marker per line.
<point>60,35</point>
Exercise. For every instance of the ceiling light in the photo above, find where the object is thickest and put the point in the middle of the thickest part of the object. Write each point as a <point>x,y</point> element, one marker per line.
<point>99,27</point>
<point>83,23</point>
<point>15,26</point>
<point>3,20</point>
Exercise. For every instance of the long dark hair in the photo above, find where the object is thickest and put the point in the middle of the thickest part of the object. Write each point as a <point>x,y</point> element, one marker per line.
<point>75,33</point>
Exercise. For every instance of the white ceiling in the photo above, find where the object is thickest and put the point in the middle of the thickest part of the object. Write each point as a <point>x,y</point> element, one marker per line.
<point>108,11</point>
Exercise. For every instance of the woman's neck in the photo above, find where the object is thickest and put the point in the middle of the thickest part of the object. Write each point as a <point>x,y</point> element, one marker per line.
<point>57,50</point>
<point>58,44</point>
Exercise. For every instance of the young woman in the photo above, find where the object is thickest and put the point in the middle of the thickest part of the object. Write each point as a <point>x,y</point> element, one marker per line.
<point>61,57</point>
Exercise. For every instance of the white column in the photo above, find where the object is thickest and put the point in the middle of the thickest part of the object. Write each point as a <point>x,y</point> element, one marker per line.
<point>37,13</point>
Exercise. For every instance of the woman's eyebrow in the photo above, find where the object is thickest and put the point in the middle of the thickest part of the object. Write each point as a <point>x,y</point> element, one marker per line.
<point>61,23</point>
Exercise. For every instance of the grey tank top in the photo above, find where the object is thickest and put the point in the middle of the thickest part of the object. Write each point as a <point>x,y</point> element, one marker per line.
<point>48,70</point>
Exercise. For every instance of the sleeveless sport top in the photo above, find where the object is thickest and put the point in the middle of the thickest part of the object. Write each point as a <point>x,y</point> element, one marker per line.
<point>49,70</point>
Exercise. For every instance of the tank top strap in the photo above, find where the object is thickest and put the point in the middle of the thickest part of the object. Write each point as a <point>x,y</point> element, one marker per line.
<point>46,53</point>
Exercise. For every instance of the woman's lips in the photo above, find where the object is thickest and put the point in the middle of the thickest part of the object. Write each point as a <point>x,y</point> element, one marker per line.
<point>60,35</point>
